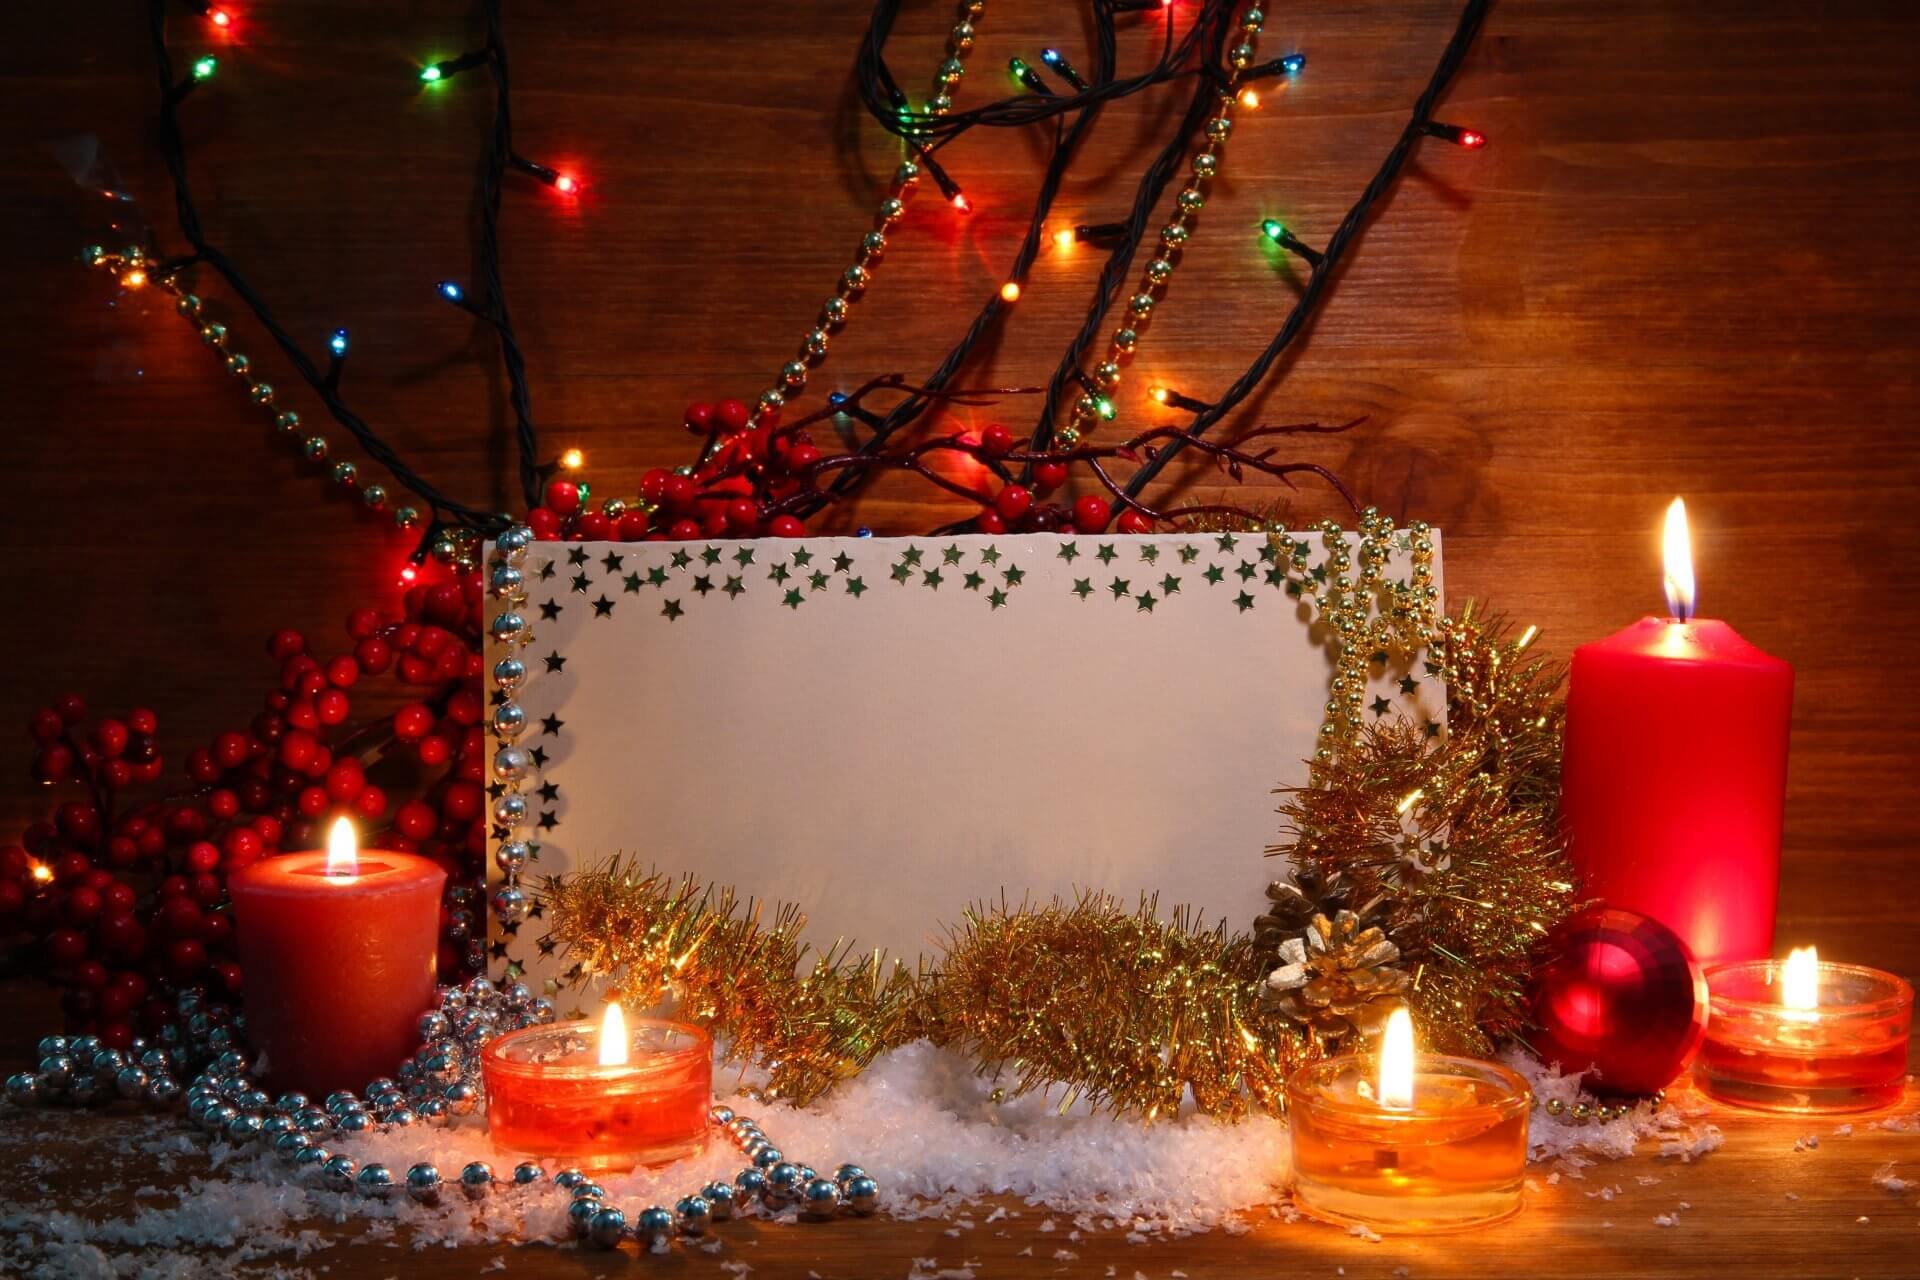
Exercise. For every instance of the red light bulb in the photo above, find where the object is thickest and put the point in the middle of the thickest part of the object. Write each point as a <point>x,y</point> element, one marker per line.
<point>1471,140</point>
<point>961,202</point>
<point>408,574</point>
<point>566,184</point>
<point>220,18</point>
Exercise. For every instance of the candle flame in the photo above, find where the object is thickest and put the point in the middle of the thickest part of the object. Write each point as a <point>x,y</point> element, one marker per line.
<point>1396,1061</point>
<point>1800,979</point>
<point>343,851</point>
<point>613,1037</point>
<point>1677,546</point>
<point>42,873</point>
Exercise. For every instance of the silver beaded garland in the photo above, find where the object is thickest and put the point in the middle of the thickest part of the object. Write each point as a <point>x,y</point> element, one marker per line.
<point>423,1183</point>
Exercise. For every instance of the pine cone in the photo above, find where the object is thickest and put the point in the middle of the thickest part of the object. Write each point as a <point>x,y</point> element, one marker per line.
<point>1337,976</point>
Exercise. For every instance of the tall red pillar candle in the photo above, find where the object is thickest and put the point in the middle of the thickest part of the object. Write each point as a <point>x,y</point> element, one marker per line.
<point>337,963</point>
<point>1674,773</point>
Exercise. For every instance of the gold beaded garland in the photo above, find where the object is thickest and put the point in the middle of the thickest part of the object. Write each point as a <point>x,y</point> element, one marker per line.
<point>855,279</point>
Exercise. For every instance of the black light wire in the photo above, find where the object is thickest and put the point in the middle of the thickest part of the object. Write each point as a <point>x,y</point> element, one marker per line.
<point>173,151</point>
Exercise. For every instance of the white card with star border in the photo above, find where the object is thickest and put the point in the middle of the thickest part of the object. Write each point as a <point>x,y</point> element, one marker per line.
<point>882,731</point>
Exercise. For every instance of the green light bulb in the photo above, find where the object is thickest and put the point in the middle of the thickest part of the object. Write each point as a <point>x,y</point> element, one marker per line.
<point>1273,230</point>
<point>430,74</point>
<point>1104,407</point>
<point>204,67</point>
<point>1017,68</point>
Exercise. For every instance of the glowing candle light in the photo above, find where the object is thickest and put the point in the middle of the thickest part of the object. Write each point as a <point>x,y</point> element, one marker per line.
<point>1674,775</point>
<point>295,915</point>
<point>1406,1141</point>
<point>624,1092</point>
<point>613,1037</point>
<point>1805,1035</point>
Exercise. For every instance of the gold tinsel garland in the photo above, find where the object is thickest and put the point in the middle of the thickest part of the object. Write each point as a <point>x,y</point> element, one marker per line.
<point>1457,832</point>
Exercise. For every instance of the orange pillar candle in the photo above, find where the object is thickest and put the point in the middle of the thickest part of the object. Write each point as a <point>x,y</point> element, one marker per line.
<point>1408,1142</point>
<point>1675,770</point>
<point>337,957</point>
<point>1805,1036</point>
<point>636,1093</point>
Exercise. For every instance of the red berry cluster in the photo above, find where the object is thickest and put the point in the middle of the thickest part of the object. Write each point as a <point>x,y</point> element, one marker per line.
<point>127,901</point>
<point>744,472</point>
<point>1021,509</point>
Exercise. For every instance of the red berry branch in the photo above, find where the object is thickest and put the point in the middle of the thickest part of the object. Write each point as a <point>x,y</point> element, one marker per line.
<point>761,480</point>
<point>123,901</point>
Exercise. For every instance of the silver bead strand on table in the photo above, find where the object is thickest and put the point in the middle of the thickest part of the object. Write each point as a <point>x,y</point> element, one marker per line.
<point>512,765</point>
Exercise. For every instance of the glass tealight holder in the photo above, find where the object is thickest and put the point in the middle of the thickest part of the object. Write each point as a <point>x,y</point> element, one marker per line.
<point>549,1097</point>
<point>1456,1158</point>
<point>1848,1053</point>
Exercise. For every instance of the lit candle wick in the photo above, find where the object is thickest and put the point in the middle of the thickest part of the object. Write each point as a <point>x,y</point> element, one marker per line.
<point>613,1037</point>
<point>1800,980</point>
<point>1396,1062</point>
<point>343,851</point>
<point>1677,546</point>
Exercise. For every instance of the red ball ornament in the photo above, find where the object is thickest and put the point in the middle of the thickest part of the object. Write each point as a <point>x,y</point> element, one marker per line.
<point>563,496</point>
<point>995,440</point>
<point>1132,521</point>
<point>1620,996</point>
<point>1091,513</point>
<point>1012,502</point>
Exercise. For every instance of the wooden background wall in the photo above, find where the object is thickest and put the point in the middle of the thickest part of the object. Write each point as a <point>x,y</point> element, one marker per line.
<point>1685,264</point>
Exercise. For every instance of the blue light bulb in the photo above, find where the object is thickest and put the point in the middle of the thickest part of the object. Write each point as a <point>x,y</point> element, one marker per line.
<point>338,342</point>
<point>451,291</point>
<point>1292,63</point>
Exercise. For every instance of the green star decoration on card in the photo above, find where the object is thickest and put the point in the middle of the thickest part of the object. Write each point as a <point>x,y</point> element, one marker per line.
<point>793,598</point>
<point>1213,574</point>
<point>656,577</point>
<point>1083,587</point>
<point>546,571</point>
<point>901,572</point>
<point>1169,585</point>
<point>632,582</point>
<point>1188,553</point>
<point>1014,575</point>
<point>802,558</point>
<point>854,587</point>
<point>734,586</point>
<point>990,556</point>
<point>671,611</point>
<point>703,584</point>
<point>681,559</point>
<point>779,573</point>
<point>911,556</point>
<point>1379,706</point>
<point>1106,553</point>
<point>1120,587</point>
<point>743,557</point>
<point>1276,577</point>
<point>1069,551</point>
<point>612,562</point>
<point>1244,600</point>
<point>580,583</point>
<point>577,556</point>
<point>603,607</point>
<point>1145,602</point>
<point>1267,552</point>
<point>1246,570</point>
<point>818,579</point>
<point>1225,542</point>
<point>1150,552</point>
<point>973,580</point>
<point>1409,686</point>
<point>842,562</point>
<point>711,555</point>
<point>952,554</point>
<point>996,597</point>
<point>932,578</point>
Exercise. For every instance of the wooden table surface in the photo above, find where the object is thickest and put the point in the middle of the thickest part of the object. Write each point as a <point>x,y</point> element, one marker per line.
<point>1768,1202</point>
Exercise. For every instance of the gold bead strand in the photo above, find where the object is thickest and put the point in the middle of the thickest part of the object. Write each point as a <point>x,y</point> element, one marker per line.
<point>1097,404</point>
<point>131,268</point>
<point>855,279</point>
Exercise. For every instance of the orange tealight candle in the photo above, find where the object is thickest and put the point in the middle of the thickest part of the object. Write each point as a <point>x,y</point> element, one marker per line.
<point>1408,1141</point>
<point>1803,1035</point>
<point>636,1092</point>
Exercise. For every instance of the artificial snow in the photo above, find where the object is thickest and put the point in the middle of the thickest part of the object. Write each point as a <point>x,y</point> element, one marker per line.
<point>919,1120</point>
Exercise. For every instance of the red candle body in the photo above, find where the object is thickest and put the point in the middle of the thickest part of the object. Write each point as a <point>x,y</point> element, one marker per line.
<point>336,970</point>
<point>1674,779</point>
